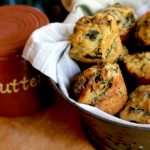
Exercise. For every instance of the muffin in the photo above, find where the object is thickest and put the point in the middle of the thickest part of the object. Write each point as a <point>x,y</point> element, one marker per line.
<point>138,107</point>
<point>138,65</point>
<point>101,86</point>
<point>95,39</point>
<point>142,32</point>
<point>125,17</point>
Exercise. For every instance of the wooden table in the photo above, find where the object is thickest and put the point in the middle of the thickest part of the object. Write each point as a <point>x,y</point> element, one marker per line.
<point>55,128</point>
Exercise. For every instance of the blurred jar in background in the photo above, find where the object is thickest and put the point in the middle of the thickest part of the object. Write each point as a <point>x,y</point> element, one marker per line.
<point>23,89</point>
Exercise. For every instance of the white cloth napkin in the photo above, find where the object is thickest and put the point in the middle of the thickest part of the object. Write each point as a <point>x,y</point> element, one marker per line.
<point>47,48</point>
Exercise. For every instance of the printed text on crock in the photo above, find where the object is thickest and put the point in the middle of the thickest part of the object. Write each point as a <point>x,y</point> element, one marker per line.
<point>15,86</point>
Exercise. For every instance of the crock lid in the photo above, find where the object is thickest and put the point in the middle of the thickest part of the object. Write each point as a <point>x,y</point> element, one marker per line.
<point>17,22</point>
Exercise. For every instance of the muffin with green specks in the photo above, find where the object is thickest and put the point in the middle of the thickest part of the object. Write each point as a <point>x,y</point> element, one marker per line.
<point>137,108</point>
<point>138,65</point>
<point>142,32</point>
<point>101,86</point>
<point>95,39</point>
<point>125,17</point>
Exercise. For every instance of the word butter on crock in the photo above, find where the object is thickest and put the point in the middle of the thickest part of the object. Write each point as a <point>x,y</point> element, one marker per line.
<point>15,86</point>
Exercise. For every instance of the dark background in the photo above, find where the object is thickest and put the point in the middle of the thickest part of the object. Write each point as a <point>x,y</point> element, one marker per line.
<point>52,8</point>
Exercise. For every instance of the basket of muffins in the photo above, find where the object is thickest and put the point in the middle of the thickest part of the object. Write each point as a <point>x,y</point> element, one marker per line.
<point>111,48</point>
<point>102,69</point>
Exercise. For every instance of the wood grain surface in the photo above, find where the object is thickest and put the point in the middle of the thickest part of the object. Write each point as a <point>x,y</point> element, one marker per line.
<point>55,128</point>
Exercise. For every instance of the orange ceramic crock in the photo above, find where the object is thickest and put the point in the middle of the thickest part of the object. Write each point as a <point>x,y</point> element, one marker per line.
<point>20,83</point>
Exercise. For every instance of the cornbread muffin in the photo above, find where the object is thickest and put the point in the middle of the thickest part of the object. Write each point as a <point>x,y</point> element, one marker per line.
<point>95,39</point>
<point>138,65</point>
<point>125,17</point>
<point>142,32</point>
<point>101,86</point>
<point>138,107</point>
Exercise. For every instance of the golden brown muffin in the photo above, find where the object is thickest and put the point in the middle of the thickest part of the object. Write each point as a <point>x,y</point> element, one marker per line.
<point>138,107</point>
<point>95,39</point>
<point>138,65</point>
<point>101,86</point>
<point>143,29</point>
<point>125,17</point>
